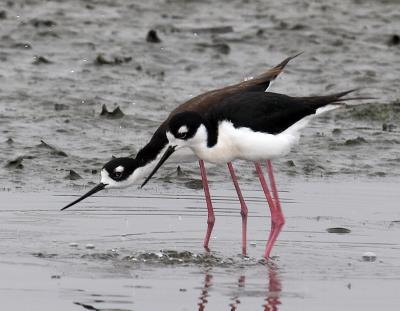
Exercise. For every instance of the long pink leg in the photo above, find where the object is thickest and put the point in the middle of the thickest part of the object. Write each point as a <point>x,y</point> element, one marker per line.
<point>278,219</point>
<point>211,217</point>
<point>276,216</point>
<point>243,208</point>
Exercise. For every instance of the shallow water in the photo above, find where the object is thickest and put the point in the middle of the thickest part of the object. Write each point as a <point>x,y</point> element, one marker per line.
<point>147,252</point>
<point>346,45</point>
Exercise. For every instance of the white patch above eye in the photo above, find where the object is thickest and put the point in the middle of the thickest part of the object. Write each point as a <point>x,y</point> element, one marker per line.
<point>183,129</point>
<point>119,169</point>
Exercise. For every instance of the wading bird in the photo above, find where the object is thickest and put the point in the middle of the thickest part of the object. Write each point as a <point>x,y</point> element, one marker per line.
<point>240,121</point>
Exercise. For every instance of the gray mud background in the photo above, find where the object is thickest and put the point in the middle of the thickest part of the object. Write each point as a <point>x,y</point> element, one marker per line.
<point>61,61</point>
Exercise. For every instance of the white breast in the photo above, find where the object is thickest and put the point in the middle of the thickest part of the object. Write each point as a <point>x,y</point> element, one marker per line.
<point>246,144</point>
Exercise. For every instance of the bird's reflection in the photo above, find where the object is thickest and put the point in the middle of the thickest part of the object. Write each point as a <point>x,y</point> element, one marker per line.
<point>272,299</point>
<point>204,291</point>
<point>236,298</point>
<point>272,294</point>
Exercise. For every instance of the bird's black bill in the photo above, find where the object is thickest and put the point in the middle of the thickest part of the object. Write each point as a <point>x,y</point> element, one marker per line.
<point>166,155</point>
<point>97,188</point>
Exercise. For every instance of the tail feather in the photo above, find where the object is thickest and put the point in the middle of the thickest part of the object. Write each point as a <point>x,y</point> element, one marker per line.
<point>336,99</point>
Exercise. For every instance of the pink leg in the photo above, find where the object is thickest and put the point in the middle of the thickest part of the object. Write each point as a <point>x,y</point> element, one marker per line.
<point>277,219</point>
<point>243,209</point>
<point>211,218</point>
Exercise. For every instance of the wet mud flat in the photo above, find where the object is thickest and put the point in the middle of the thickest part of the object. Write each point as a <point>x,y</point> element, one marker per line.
<point>143,252</point>
<point>81,81</point>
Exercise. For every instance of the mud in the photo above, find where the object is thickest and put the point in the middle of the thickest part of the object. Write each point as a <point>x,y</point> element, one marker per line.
<point>62,62</point>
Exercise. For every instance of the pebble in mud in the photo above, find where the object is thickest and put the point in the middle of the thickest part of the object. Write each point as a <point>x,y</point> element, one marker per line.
<point>112,60</point>
<point>89,246</point>
<point>16,163</point>
<point>368,257</point>
<point>73,175</point>
<point>73,244</point>
<point>115,114</point>
<point>152,37</point>
<point>41,60</point>
<point>394,40</point>
<point>54,150</point>
<point>338,230</point>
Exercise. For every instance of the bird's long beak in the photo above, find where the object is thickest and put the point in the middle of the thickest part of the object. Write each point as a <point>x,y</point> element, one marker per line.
<point>170,150</point>
<point>97,188</point>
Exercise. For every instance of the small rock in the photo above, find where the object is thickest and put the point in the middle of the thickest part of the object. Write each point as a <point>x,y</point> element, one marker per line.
<point>41,60</point>
<point>3,14</point>
<point>394,40</point>
<point>290,163</point>
<point>116,60</point>
<point>336,131</point>
<point>90,246</point>
<point>73,244</point>
<point>56,276</point>
<point>179,171</point>
<point>182,289</point>
<point>10,141</point>
<point>53,149</point>
<point>388,127</point>
<point>73,175</point>
<point>16,163</point>
<point>253,244</point>
<point>369,257</point>
<point>152,37</point>
<point>42,23</point>
<point>59,107</point>
<point>338,230</point>
<point>115,114</point>
<point>355,141</point>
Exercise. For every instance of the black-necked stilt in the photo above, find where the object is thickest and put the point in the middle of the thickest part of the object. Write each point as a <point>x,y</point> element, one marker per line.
<point>253,126</point>
<point>205,109</point>
<point>122,172</point>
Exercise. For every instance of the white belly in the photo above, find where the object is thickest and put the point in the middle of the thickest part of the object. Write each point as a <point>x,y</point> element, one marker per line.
<point>243,143</point>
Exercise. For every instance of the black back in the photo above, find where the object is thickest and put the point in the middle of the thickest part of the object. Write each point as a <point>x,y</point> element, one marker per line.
<point>265,111</point>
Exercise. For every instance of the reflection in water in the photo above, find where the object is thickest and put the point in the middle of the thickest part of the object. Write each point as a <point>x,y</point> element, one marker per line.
<point>204,292</point>
<point>274,290</point>
<point>272,298</point>
<point>235,299</point>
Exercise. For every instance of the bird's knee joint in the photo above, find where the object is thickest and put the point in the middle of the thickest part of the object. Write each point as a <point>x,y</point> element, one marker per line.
<point>244,213</point>
<point>279,221</point>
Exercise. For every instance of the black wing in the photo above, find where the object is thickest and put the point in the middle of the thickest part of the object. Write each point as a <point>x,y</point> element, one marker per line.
<point>267,112</point>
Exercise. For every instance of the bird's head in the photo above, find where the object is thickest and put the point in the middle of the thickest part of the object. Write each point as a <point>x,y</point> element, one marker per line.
<point>117,173</point>
<point>185,129</point>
